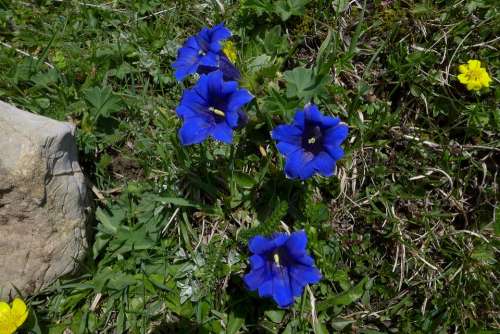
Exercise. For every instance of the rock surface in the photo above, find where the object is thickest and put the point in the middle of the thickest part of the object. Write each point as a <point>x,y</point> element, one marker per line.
<point>43,201</point>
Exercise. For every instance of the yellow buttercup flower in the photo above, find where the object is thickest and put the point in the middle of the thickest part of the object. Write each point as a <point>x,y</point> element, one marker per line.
<point>473,76</point>
<point>230,51</point>
<point>11,318</point>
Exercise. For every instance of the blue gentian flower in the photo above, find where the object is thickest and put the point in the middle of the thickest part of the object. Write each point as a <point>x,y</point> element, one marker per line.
<point>227,68</point>
<point>281,267</point>
<point>311,144</point>
<point>211,108</point>
<point>203,53</point>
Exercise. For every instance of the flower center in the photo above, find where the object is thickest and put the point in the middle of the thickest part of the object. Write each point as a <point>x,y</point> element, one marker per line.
<point>474,74</point>
<point>276,258</point>
<point>312,140</point>
<point>216,111</point>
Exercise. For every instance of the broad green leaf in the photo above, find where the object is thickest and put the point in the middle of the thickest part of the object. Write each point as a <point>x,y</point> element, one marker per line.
<point>103,101</point>
<point>340,324</point>
<point>234,323</point>
<point>245,181</point>
<point>177,201</point>
<point>275,316</point>
<point>345,298</point>
<point>304,84</point>
<point>107,223</point>
<point>260,6</point>
<point>288,8</point>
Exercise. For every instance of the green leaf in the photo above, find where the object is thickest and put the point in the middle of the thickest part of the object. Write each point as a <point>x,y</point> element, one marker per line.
<point>275,316</point>
<point>319,328</point>
<point>304,83</point>
<point>339,324</point>
<point>244,180</point>
<point>107,223</point>
<point>274,42</point>
<point>177,201</point>
<point>234,323</point>
<point>288,8</point>
<point>260,6</point>
<point>345,298</point>
<point>103,101</point>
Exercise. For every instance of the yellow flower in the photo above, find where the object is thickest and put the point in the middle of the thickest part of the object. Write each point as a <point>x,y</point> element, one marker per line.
<point>473,76</point>
<point>229,50</point>
<point>11,318</point>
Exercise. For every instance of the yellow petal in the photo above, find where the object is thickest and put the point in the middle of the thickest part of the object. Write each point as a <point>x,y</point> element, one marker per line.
<point>19,312</point>
<point>484,77</point>
<point>6,325</point>
<point>230,51</point>
<point>7,328</point>
<point>4,309</point>
<point>473,64</point>
<point>463,78</point>
<point>473,86</point>
<point>463,68</point>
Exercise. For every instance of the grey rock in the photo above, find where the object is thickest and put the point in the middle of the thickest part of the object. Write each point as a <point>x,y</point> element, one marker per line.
<point>43,201</point>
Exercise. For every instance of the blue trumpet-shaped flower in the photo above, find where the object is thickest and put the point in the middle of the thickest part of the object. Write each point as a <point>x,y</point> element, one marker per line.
<point>203,53</point>
<point>311,144</point>
<point>281,267</point>
<point>211,108</point>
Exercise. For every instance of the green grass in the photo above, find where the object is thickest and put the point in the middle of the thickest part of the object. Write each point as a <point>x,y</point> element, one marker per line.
<point>406,234</point>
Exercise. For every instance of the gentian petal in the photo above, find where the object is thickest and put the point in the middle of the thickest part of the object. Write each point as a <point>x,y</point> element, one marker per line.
<point>324,164</point>
<point>201,88</point>
<point>193,100</point>
<point>239,99</point>
<point>230,71</point>
<point>222,132</point>
<point>217,34</point>
<point>191,43</point>
<point>215,82</point>
<point>210,59</point>
<point>305,274</point>
<point>282,291</point>
<point>185,112</point>
<point>266,288</point>
<point>297,285</point>
<point>187,59</point>
<point>296,243</point>
<point>305,260</point>
<point>307,171</point>
<point>329,121</point>
<point>260,245</point>
<point>312,113</point>
<point>336,135</point>
<point>194,131</point>
<point>287,133</point>
<point>287,148</point>
<point>203,39</point>
<point>257,261</point>
<point>297,165</point>
<point>299,119</point>
<point>336,152</point>
<point>232,118</point>
<point>229,87</point>
<point>279,239</point>
<point>255,278</point>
